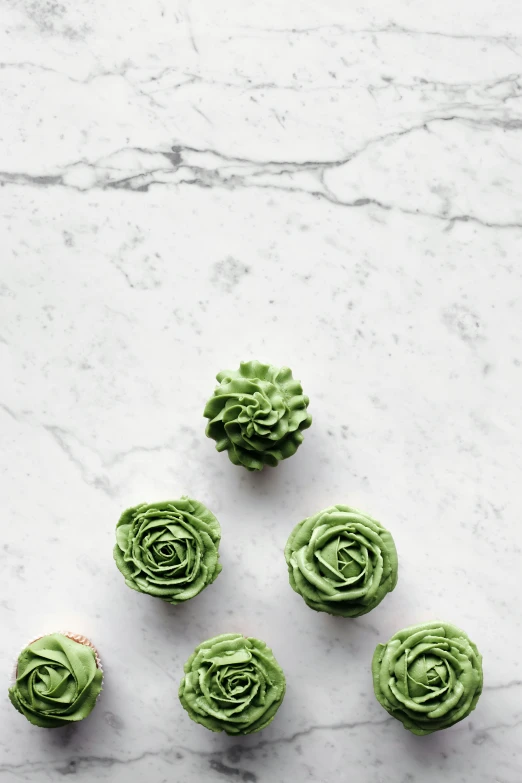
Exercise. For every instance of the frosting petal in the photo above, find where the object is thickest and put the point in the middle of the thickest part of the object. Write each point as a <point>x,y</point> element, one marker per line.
<point>57,681</point>
<point>257,414</point>
<point>232,684</point>
<point>168,549</point>
<point>428,676</point>
<point>341,561</point>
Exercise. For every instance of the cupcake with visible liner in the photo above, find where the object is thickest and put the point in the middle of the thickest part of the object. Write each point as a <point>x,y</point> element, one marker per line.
<point>428,676</point>
<point>341,561</point>
<point>232,684</point>
<point>57,680</point>
<point>257,414</point>
<point>169,550</point>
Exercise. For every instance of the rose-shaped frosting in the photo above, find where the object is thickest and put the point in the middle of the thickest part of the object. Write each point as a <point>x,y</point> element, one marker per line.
<point>428,676</point>
<point>341,561</point>
<point>168,549</point>
<point>57,681</point>
<point>257,414</point>
<point>232,684</point>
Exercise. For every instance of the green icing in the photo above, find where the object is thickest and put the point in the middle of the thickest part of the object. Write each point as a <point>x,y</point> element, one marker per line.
<point>232,684</point>
<point>428,676</point>
<point>169,549</point>
<point>257,414</point>
<point>57,681</point>
<point>341,561</point>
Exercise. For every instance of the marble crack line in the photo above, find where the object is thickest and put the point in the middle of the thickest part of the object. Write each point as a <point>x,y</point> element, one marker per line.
<point>188,79</point>
<point>172,754</point>
<point>203,178</point>
<point>74,763</point>
<point>498,726</point>
<point>234,183</point>
<point>450,220</point>
<point>324,164</point>
<point>391,29</point>
<point>503,686</point>
<point>246,85</point>
<point>141,183</point>
<point>345,726</point>
<point>26,65</point>
<point>9,412</point>
<point>482,85</point>
<point>363,201</point>
<point>95,477</point>
<point>177,153</point>
<point>122,455</point>
<point>418,83</point>
<point>63,437</point>
<point>182,171</point>
<point>90,477</point>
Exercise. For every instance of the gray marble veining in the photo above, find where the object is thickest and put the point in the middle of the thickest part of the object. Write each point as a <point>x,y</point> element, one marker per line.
<point>337,188</point>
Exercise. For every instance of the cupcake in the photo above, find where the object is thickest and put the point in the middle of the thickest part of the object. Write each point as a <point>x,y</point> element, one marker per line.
<point>257,414</point>
<point>428,676</point>
<point>57,680</point>
<point>232,684</point>
<point>341,561</point>
<point>168,550</point>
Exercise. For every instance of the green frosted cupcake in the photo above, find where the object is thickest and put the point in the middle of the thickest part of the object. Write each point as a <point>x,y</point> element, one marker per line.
<point>168,550</point>
<point>428,676</point>
<point>257,414</point>
<point>57,680</point>
<point>232,684</point>
<point>341,561</point>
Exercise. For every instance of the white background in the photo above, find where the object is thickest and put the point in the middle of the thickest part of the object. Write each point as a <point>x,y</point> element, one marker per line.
<point>335,188</point>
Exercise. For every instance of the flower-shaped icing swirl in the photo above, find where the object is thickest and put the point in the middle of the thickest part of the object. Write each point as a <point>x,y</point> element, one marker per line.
<point>232,684</point>
<point>168,549</point>
<point>57,681</point>
<point>257,414</point>
<point>341,561</point>
<point>428,676</point>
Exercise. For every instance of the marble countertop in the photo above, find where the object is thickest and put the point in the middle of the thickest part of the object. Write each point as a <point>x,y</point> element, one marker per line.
<point>188,184</point>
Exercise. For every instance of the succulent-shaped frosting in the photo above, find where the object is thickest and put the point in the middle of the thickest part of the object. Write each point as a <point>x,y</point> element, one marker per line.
<point>57,681</point>
<point>232,684</point>
<point>341,561</point>
<point>168,549</point>
<point>257,414</point>
<point>428,676</point>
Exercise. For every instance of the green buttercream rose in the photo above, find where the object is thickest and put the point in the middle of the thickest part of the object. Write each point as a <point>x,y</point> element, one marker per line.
<point>232,684</point>
<point>341,561</point>
<point>57,681</point>
<point>257,414</point>
<point>428,676</point>
<point>169,549</point>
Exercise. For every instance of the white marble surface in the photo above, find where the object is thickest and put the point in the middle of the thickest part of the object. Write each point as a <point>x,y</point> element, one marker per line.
<point>332,186</point>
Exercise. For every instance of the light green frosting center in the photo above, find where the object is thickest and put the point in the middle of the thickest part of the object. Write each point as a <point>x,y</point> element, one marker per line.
<point>57,681</point>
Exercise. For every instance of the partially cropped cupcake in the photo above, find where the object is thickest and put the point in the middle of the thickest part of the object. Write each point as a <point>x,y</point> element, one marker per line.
<point>257,414</point>
<point>57,680</point>
<point>428,676</point>
<point>341,561</point>
<point>169,550</point>
<point>232,684</point>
